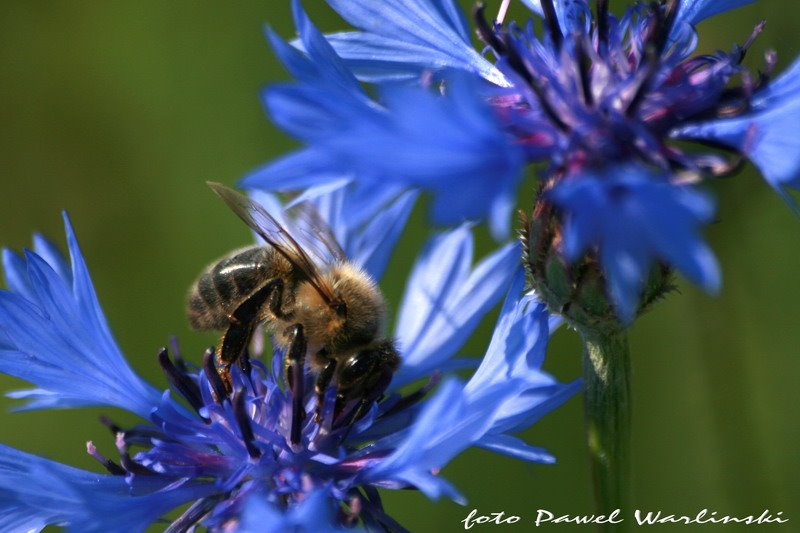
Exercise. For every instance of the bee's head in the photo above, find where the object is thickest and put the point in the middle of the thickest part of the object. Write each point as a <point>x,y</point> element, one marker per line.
<point>359,304</point>
<point>366,374</point>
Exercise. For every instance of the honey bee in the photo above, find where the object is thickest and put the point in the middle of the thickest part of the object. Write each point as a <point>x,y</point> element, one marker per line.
<point>324,309</point>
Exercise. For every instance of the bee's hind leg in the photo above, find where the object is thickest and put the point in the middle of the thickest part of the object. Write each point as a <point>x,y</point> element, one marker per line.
<point>295,377</point>
<point>243,320</point>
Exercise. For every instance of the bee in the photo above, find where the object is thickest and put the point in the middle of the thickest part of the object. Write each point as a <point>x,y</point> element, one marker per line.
<point>316,306</point>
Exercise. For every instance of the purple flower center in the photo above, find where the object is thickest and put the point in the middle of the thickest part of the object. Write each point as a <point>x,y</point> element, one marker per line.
<point>587,95</point>
<point>247,438</point>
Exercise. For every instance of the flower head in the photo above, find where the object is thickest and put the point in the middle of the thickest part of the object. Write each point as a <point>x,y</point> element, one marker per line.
<point>251,451</point>
<point>604,103</point>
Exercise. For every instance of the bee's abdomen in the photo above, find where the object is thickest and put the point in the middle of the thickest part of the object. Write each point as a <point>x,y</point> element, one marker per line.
<point>225,284</point>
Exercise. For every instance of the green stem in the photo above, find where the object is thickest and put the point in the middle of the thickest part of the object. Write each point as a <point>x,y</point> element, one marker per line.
<point>607,405</point>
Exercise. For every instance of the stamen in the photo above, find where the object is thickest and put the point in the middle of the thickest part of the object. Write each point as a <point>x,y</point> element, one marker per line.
<point>373,496</point>
<point>177,354</point>
<point>214,379</point>
<point>140,435</point>
<point>731,97</point>
<point>748,85</point>
<point>736,100</point>
<point>110,465</point>
<point>654,48</point>
<point>751,39</point>
<point>194,514</point>
<point>409,400</point>
<point>770,62</point>
<point>110,425</point>
<point>502,12</point>
<point>374,506</point>
<point>602,26</point>
<point>243,421</point>
<point>485,32</point>
<point>720,167</point>
<point>127,463</point>
<point>584,70</point>
<point>349,517</point>
<point>517,63</point>
<point>180,381</point>
<point>663,26</point>
<point>551,23</point>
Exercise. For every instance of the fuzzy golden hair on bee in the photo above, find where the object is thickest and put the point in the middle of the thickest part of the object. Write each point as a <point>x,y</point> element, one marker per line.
<point>318,307</point>
<point>365,308</point>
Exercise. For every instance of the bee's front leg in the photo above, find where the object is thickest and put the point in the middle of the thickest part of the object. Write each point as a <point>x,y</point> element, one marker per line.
<point>294,367</point>
<point>364,376</point>
<point>323,381</point>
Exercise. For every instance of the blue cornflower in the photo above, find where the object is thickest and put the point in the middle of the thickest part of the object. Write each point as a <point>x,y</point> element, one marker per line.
<point>599,101</point>
<point>463,155</point>
<point>228,454</point>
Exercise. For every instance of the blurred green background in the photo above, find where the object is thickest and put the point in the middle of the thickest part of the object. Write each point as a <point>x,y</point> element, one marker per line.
<point>120,111</point>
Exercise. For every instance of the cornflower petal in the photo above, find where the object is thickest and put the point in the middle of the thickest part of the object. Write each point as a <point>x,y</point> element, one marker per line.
<point>765,134</point>
<point>297,170</point>
<point>372,246</point>
<point>783,88</point>
<point>695,11</point>
<point>501,397</point>
<point>447,145</point>
<point>244,456</point>
<point>516,353</point>
<point>636,218</point>
<point>36,492</point>
<point>446,426</point>
<point>515,447</point>
<point>573,15</point>
<point>56,337</point>
<point>403,38</point>
<point>413,139</point>
<point>327,90</point>
<point>445,300</point>
<point>15,272</point>
<point>377,59</point>
<point>585,94</point>
<point>322,63</point>
<point>366,227</point>
<point>315,513</point>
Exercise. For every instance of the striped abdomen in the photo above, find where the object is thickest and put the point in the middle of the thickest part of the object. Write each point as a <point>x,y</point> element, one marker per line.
<point>225,284</point>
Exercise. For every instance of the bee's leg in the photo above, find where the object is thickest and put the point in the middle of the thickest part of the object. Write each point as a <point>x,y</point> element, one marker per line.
<point>364,377</point>
<point>371,394</point>
<point>295,363</point>
<point>323,381</point>
<point>242,321</point>
<point>276,299</point>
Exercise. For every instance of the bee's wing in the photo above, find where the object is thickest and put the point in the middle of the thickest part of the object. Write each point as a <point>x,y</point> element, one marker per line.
<point>269,229</point>
<point>316,230</point>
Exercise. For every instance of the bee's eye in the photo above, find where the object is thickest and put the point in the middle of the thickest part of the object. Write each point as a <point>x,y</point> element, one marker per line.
<point>340,308</point>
